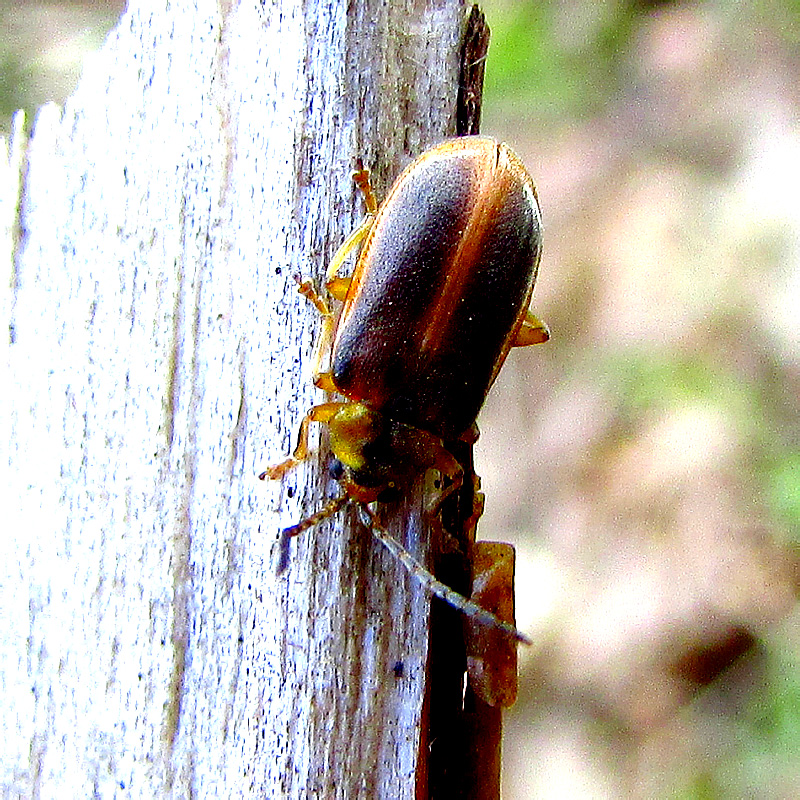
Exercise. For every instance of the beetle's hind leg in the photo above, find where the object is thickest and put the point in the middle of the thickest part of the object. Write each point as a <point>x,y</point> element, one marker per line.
<point>334,283</point>
<point>532,331</point>
<point>362,179</point>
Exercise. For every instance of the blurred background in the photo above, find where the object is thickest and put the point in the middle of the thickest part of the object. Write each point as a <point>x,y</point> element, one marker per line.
<point>646,461</point>
<point>43,48</point>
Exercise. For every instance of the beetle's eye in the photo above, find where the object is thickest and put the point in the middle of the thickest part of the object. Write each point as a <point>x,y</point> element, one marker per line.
<point>336,469</point>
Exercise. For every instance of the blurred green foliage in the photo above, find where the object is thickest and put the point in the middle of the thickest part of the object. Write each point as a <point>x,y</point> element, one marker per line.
<point>783,488</point>
<point>760,758</point>
<point>551,60</point>
<point>772,724</point>
<point>540,65</point>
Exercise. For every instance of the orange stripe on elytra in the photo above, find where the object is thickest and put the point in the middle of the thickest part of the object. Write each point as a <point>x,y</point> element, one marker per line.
<point>459,271</point>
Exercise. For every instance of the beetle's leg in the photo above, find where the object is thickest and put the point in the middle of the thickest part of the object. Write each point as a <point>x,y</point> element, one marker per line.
<point>328,510</point>
<point>532,331</point>
<point>321,413</point>
<point>322,380</point>
<point>306,288</point>
<point>448,467</point>
<point>335,284</point>
<point>362,180</point>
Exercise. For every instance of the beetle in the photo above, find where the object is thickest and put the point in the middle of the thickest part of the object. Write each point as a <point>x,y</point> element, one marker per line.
<point>438,296</point>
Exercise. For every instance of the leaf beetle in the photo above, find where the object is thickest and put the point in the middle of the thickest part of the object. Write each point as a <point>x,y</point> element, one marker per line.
<point>438,296</point>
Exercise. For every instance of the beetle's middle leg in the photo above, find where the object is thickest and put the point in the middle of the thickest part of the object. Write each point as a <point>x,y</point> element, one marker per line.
<point>325,340</point>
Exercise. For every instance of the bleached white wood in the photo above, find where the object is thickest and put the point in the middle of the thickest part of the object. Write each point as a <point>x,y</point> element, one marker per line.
<point>157,360</point>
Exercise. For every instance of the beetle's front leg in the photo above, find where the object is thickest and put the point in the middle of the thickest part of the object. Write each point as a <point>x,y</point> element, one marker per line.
<point>321,413</point>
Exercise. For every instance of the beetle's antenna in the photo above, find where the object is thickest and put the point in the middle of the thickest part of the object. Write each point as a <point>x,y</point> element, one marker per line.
<point>434,586</point>
<point>328,510</point>
<point>287,534</point>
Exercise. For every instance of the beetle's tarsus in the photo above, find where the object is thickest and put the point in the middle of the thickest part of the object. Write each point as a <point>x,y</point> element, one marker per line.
<point>362,179</point>
<point>277,471</point>
<point>306,288</point>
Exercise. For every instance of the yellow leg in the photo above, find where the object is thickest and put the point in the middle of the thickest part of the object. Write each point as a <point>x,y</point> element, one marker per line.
<point>362,180</point>
<point>335,284</point>
<point>320,413</point>
<point>328,510</point>
<point>533,331</point>
<point>324,381</point>
<point>306,288</point>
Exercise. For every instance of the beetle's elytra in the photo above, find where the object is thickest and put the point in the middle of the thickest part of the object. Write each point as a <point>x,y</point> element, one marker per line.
<point>438,296</point>
<point>441,287</point>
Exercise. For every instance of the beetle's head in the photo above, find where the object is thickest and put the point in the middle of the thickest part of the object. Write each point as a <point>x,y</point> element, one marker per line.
<point>368,457</point>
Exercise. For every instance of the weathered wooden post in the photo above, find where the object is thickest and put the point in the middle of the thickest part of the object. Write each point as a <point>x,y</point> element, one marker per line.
<point>157,359</point>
